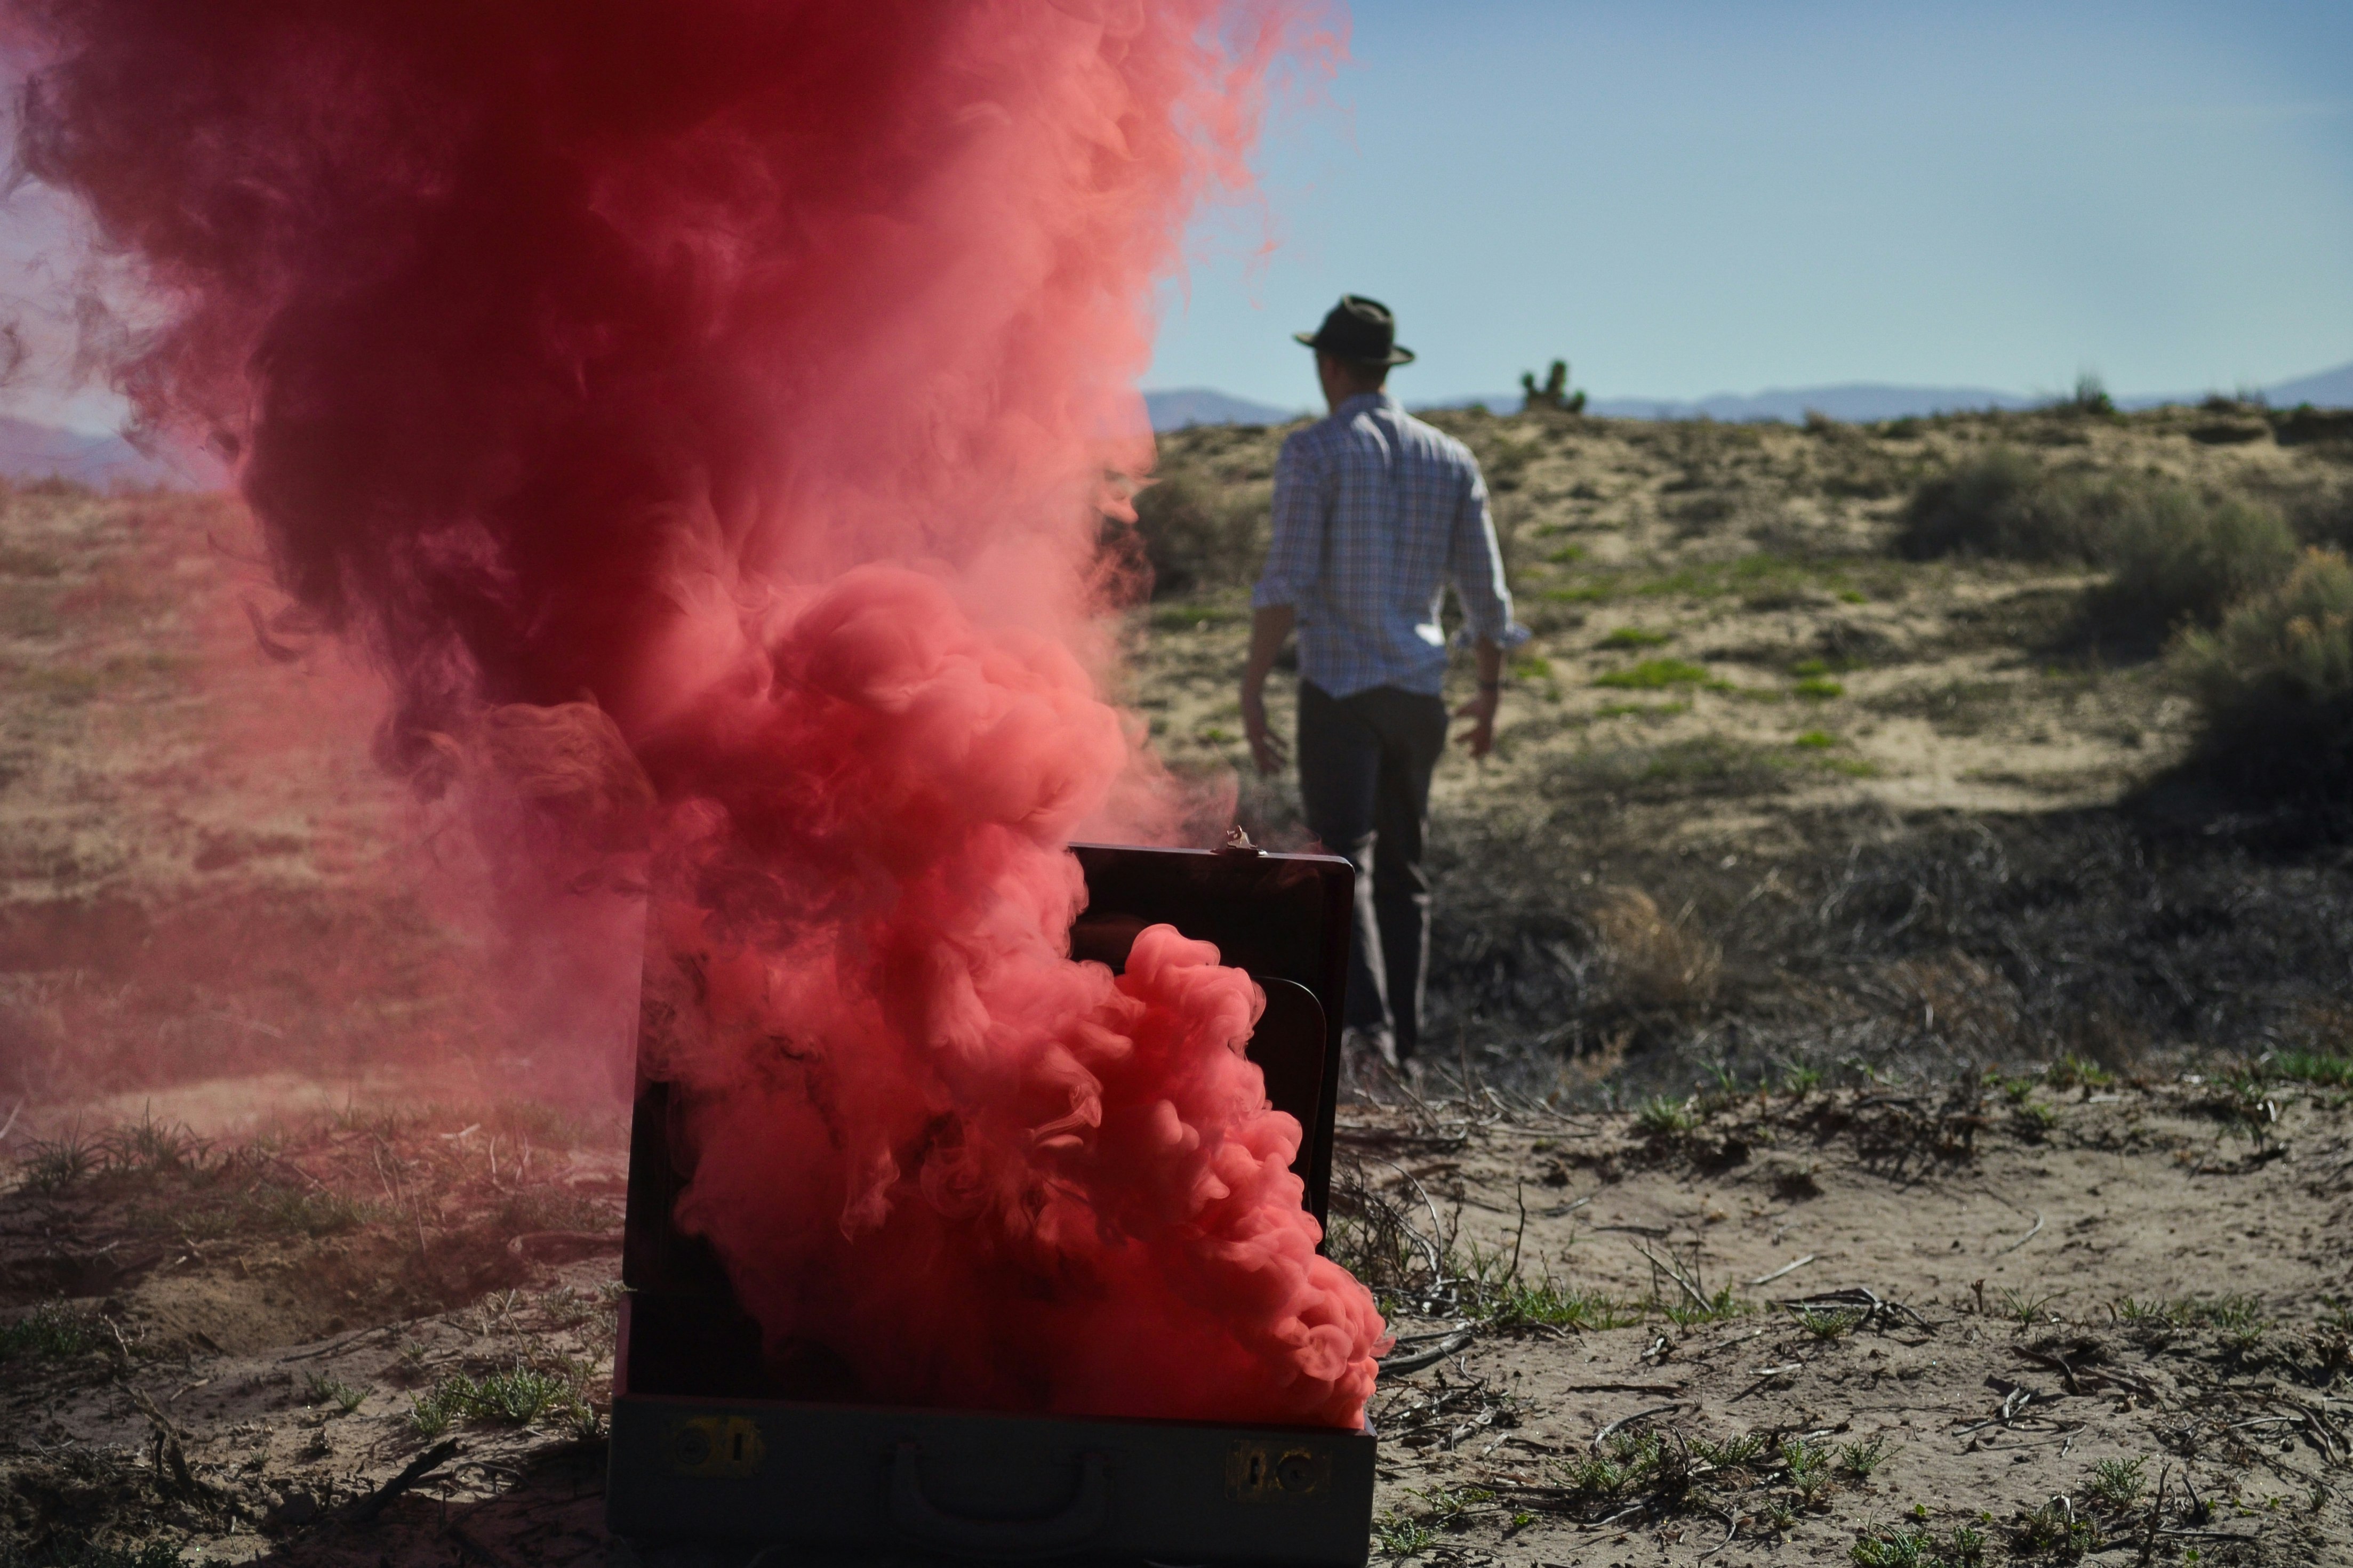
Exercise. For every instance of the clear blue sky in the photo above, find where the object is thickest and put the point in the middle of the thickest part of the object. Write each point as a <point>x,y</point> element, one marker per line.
<point>1691,198</point>
<point>1685,198</point>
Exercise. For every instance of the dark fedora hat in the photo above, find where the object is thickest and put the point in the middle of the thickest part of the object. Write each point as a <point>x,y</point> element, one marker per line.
<point>1360,331</point>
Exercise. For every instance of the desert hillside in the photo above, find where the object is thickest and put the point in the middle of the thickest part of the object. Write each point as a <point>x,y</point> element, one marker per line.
<point>1893,1074</point>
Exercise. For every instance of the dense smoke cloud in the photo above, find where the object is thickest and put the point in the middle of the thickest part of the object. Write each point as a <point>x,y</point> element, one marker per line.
<point>702,413</point>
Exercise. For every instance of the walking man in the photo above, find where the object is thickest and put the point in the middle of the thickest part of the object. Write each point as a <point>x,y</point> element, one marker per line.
<point>1375,514</point>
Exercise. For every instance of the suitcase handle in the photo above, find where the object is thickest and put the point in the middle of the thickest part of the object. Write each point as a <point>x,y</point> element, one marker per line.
<point>919,1520</point>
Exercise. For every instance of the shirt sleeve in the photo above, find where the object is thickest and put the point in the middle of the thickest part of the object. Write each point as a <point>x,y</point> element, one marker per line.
<point>1475,566</point>
<point>1295,559</point>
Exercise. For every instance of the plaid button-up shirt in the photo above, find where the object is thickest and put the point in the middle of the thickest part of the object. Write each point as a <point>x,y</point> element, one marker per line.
<point>1374,513</point>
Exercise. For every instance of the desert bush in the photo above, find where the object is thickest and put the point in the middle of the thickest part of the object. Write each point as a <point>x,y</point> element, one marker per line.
<point>1655,965</point>
<point>1198,537</point>
<point>2179,557</point>
<point>2275,682</point>
<point>2091,396</point>
<point>2004,504</point>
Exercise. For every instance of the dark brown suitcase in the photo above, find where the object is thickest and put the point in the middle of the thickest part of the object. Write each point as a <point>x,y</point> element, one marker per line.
<point>709,1448</point>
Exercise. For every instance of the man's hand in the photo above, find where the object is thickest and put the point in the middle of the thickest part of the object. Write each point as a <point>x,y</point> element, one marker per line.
<point>1269,626</point>
<point>1267,748</point>
<point>1480,739</point>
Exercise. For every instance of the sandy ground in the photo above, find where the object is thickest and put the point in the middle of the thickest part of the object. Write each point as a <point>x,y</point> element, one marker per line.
<point>2117,1273</point>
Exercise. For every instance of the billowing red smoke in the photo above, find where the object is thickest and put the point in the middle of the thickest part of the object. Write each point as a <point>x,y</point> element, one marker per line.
<point>701,412</point>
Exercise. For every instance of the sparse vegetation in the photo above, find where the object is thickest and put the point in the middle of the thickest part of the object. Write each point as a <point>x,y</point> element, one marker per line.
<point>2179,558</point>
<point>1198,536</point>
<point>2003,504</point>
<point>517,1396</point>
<point>2274,683</point>
<point>53,1331</point>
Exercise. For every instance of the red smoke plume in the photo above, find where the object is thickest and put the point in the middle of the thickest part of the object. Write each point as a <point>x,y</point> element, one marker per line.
<point>702,413</point>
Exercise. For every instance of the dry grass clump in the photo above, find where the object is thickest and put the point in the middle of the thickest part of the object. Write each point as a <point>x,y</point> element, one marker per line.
<point>2179,558</point>
<point>2004,505</point>
<point>1656,965</point>
<point>1198,536</point>
<point>2276,682</point>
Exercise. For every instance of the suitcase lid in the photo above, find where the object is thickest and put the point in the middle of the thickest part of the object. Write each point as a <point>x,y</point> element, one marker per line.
<point>1284,919</point>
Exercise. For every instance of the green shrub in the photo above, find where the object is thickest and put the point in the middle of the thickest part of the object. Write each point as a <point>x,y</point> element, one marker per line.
<point>2275,682</point>
<point>1197,538</point>
<point>2004,504</point>
<point>53,1331</point>
<point>2179,558</point>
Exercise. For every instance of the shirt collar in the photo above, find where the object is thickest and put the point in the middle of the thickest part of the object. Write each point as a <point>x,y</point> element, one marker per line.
<point>1364,403</point>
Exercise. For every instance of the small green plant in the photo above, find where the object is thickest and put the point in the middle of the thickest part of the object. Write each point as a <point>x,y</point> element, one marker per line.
<point>441,1406</point>
<point>1818,688</point>
<point>1686,1314</point>
<point>1895,1549</point>
<point>2053,1530</point>
<point>2032,1121</point>
<point>51,1164</point>
<point>2118,1483</point>
<point>518,1396</point>
<point>1892,1546</point>
<point>2325,1070</point>
<point>1402,1536</point>
<point>54,1331</point>
<point>1448,1506</point>
<point>1798,1082</point>
<point>2028,1309</point>
<point>1661,1117</point>
<point>2078,1072</point>
<point>1816,741</point>
<point>1655,674</point>
<point>1858,1459</point>
<point>1826,1323</point>
<point>1808,1469</point>
<point>1634,637</point>
<point>1548,1304</point>
<point>325,1388</point>
<point>1733,1454</point>
<point>2016,1091</point>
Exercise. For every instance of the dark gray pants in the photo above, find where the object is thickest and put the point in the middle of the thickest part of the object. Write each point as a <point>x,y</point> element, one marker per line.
<point>1364,764</point>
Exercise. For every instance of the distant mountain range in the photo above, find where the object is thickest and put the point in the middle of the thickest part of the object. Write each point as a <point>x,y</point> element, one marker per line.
<point>1185,405</point>
<point>32,451</point>
<point>1855,401</point>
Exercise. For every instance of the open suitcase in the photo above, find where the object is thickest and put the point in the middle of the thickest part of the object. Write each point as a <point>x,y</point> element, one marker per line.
<point>708,1448</point>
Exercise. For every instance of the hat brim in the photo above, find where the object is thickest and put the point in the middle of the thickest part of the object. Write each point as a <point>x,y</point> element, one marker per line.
<point>1396,355</point>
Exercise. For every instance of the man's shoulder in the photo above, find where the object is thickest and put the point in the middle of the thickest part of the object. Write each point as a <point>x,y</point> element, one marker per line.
<point>1437,443</point>
<point>1309,438</point>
